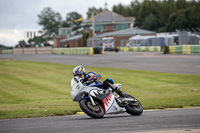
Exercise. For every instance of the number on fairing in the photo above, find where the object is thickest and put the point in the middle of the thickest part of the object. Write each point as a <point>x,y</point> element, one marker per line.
<point>77,86</point>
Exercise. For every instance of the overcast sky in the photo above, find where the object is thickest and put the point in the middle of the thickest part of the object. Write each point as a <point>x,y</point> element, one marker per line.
<point>19,16</point>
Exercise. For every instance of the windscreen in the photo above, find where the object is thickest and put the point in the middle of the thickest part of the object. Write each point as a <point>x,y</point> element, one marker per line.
<point>108,41</point>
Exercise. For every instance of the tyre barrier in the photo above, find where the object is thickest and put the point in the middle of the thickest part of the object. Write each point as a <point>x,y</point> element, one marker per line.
<point>141,49</point>
<point>184,49</point>
<point>73,51</point>
<point>125,49</point>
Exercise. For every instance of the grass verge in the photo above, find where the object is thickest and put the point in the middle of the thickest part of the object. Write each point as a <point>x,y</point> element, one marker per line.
<point>35,89</point>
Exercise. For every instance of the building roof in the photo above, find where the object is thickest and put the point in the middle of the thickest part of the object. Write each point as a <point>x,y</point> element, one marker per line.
<point>71,38</point>
<point>107,16</point>
<point>126,32</point>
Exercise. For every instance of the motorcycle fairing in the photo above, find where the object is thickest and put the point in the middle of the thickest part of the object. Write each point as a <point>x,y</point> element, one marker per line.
<point>78,89</point>
<point>108,102</point>
<point>96,84</point>
<point>106,98</point>
<point>99,94</point>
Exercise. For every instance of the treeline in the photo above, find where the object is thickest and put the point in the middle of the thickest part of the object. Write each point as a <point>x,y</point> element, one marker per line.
<point>163,16</point>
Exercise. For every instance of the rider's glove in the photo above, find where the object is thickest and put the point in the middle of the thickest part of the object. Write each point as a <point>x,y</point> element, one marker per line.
<point>118,86</point>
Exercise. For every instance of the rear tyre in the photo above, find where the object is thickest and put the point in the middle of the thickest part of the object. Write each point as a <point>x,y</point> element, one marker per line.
<point>134,108</point>
<point>89,109</point>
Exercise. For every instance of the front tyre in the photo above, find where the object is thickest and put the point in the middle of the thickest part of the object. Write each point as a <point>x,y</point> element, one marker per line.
<point>93,111</point>
<point>134,108</point>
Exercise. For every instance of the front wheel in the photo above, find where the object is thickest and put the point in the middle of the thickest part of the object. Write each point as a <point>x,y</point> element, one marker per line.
<point>93,111</point>
<point>134,108</point>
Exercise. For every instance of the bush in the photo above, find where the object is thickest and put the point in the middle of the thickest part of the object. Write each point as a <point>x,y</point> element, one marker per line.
<point>166,50</point>
<point>84,39</point>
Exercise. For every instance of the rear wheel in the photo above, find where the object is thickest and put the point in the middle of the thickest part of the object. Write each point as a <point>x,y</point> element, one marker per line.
<point>134,108</point>
<point>93,111</point>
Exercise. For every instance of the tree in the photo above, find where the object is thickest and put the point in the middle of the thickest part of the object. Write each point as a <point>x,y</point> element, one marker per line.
<point>181,4</point>
<point>166,8</point>
<point>37,40</point>
<point>146,8</point>
<point>183,20</point>
<point>50,20</point>
<point>134,7</point>
<point>171,26</point>
<point>22,43</point>
<point>93,10</point>
<point>120,9</point>
<point>70,20</point>
<point>164,15</point>
<point>150,22</point>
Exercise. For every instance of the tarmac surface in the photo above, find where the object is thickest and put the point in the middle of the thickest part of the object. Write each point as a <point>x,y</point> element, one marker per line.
<point>150,61</point>
<point>152,121</point>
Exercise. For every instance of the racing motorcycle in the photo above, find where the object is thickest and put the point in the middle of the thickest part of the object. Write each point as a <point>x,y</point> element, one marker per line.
<point>96,101</point>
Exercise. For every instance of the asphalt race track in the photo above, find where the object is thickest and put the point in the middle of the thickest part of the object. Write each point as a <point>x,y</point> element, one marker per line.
<point>164,120</point>
<point>150,61</point>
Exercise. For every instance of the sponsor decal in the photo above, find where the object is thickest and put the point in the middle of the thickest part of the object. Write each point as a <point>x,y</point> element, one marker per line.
<point>107,102</point>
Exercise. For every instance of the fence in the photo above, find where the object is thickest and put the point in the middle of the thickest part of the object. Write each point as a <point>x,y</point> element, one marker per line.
<point>35,50</point>
<point>184,49</point>
<point>142,49</point>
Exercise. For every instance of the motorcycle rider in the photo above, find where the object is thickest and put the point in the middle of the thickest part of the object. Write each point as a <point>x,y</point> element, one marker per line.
<point>93,77</point>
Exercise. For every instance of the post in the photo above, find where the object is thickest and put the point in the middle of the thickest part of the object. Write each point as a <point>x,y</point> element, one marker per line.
<point>35,50</point>
<point>93,26</point>
<point>23,50</point>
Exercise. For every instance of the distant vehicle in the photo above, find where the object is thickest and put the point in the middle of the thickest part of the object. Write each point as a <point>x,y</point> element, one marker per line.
<point>108,43</point>
<point>154,41</point>
<point>170,39</point>
<point>136,40</point>
<point>147,41</point>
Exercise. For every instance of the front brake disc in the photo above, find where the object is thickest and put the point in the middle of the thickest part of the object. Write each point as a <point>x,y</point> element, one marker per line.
<point>95,108</point>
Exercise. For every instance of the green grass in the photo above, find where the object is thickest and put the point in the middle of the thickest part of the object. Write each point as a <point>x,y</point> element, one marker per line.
<point>35,89</point>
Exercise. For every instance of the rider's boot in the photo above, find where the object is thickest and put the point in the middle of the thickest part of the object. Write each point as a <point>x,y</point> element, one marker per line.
<point>116,88</point>
<point>121,93</point>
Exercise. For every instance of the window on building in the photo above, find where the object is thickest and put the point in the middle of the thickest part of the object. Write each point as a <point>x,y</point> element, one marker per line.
<point>100,27</point>
<point>62,32</point>
<point>68,31</point>
<point>120,26</point>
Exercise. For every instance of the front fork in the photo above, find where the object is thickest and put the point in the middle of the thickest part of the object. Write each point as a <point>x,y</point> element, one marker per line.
<point>92,101</point>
